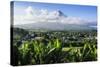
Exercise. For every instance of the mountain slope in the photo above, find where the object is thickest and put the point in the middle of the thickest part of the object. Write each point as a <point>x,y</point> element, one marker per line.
<point>53,26</point>
<point>69,24</point>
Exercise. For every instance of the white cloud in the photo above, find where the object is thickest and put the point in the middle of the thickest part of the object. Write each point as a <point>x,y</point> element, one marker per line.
<point>33,15</point>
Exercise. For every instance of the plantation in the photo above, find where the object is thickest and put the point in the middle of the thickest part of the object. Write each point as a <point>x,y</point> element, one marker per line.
<point>46,47</point>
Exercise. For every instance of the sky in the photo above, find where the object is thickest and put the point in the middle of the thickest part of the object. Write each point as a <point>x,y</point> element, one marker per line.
<point>26,11</point>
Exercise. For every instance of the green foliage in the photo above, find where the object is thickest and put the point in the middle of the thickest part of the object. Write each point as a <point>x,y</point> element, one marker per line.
<point>54,48</point>
<point>86,53</point>
<point>36,52</point>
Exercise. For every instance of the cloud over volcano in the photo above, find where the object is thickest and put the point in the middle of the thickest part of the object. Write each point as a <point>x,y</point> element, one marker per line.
<point>33,15</point>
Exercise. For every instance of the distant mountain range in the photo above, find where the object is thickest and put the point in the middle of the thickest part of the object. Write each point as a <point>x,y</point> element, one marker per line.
<point>56,25</point>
